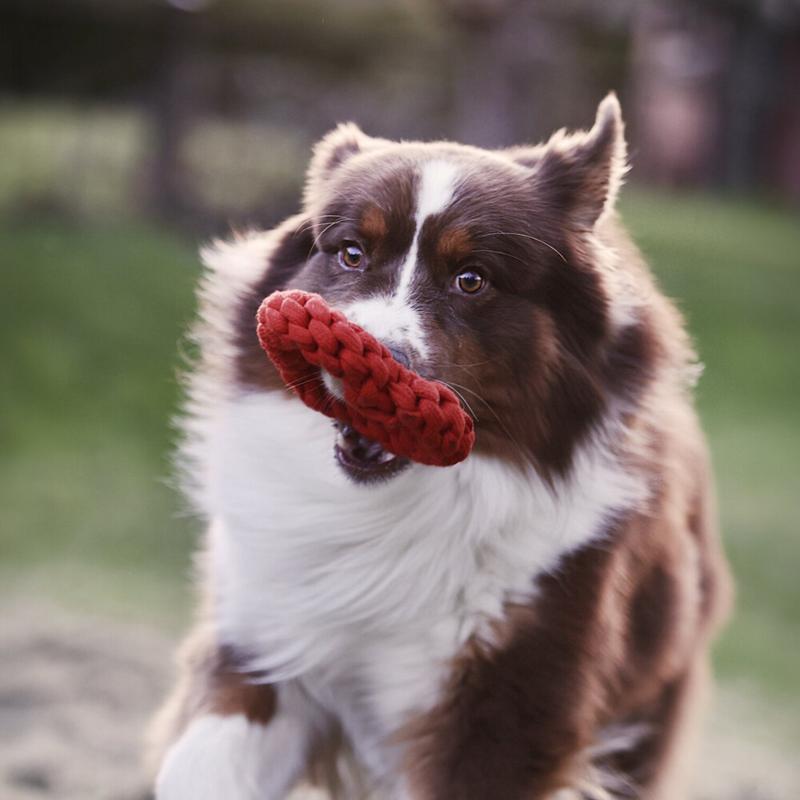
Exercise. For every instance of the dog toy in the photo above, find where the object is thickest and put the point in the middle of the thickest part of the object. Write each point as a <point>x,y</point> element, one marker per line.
<point>383,400</point>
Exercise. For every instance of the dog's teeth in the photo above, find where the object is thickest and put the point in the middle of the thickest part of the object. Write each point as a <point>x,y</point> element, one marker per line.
<point>373,450</point>
<point>359,447</point>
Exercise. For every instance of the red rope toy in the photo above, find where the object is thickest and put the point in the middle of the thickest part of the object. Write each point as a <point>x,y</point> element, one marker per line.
<point>406,414</point>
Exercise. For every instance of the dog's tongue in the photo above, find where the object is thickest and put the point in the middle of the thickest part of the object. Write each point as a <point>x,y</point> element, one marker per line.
<point>387,404</point>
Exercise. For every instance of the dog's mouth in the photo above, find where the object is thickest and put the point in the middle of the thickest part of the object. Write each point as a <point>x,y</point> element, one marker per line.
<point>364,460</point>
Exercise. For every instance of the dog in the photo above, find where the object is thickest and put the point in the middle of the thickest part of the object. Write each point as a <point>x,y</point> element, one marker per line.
<point>533,622</point>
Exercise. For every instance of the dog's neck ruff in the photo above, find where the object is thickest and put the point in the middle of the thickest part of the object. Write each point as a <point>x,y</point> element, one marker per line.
<point>307,566</point>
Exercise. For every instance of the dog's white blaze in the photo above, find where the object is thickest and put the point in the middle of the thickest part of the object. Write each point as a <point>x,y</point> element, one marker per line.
<point>390,321</point>
<point>436,186</point>
<point>230,757</point>
<point>394,318</point>
<point>364,593</point>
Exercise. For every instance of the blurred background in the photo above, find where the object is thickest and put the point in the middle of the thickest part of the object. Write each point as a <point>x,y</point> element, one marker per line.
<point>133,130</point>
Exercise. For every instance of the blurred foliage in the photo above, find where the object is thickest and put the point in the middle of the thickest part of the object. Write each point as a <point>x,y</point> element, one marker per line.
<point>90,164</point>
<point>59,159</point>
<point>236,167</point>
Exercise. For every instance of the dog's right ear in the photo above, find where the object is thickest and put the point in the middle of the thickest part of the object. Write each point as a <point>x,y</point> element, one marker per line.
<point>333,150</point>
<point>579,174</point>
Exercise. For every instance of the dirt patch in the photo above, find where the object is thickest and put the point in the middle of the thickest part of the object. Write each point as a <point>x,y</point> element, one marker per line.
<point>76,694</point>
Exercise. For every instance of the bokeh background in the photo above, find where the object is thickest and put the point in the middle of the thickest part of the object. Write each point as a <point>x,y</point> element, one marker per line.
<point>133,130</point>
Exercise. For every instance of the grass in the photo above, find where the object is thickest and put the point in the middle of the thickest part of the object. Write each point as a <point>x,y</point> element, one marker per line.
<point>90,320</point>
<point>734,268</point>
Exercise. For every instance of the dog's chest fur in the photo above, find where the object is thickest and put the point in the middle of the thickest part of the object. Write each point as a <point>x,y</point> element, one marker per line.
<point>366,593</point>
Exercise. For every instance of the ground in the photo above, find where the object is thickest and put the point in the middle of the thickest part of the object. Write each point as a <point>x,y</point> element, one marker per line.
<point>76,693</point>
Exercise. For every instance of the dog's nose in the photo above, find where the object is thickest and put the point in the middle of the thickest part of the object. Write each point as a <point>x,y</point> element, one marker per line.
<point>398,353</point>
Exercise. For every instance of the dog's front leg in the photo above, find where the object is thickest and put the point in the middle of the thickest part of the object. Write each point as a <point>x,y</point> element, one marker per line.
<point>223,736</point>
<point>234,757</point>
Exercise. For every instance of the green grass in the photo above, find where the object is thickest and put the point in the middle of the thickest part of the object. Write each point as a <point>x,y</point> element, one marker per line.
<point>90,322</point>
<point>735,270</point>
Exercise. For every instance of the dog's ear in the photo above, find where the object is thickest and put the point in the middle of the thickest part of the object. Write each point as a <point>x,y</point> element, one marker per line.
<point>333,150</point>
<point>579,175</point>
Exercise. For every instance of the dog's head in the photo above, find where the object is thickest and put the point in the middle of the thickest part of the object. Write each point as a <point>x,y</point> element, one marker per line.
<point>481,269</point>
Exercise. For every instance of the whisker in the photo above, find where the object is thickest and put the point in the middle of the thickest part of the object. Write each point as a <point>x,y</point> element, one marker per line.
<point>472,391</point>
<point>324,230</point>
<point>526,236</point>
<point>472,364</point>
<point>309,223</point>
<point>303,381</point>
<point>471,372</point>
<point>336,220</point>
<point>462,398</point>
<point>466,368</point>
<point>496,415</point>
<point>502,253</point>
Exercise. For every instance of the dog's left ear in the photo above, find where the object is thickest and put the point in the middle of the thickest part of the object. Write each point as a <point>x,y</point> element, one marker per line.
<point>333,150</point>
<point>579,174</point>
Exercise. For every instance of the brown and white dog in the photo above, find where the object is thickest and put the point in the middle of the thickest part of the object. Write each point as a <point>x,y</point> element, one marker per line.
<point>530,623</point>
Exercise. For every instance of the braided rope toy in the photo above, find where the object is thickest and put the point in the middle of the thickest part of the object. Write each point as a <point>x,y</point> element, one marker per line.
<point>383,400</point>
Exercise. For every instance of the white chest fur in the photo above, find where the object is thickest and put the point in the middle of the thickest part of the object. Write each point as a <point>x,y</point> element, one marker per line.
<point>375,587</point>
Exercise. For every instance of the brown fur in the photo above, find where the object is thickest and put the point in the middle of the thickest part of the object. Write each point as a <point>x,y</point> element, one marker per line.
<point>616,637</point>
<point>373,224</point>
<point>454,245</point>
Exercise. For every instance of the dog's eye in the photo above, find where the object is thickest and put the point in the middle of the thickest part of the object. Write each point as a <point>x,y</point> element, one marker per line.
<point>470,282</point>
<point>351,256</point>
